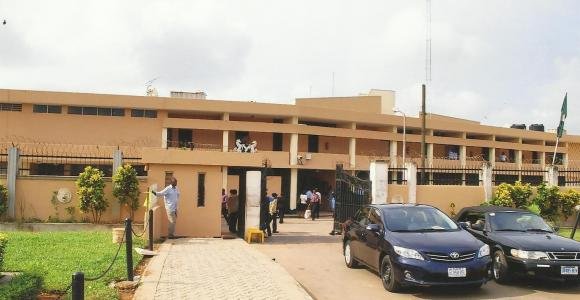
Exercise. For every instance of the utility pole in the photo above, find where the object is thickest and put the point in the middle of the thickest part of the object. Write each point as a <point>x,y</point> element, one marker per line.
<point>423,147</point>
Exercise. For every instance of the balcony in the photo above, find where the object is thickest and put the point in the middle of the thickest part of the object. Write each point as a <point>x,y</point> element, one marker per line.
<point>277,159</point>
<point>322,161</point>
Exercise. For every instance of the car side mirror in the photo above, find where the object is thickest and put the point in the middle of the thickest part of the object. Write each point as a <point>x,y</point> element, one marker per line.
<point>464,225</point>
<point>374,227</point>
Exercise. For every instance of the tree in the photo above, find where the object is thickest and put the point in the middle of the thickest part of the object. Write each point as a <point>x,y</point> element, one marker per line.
<point>91,192</point>
<point>3,200</point>
<point>126,188</point>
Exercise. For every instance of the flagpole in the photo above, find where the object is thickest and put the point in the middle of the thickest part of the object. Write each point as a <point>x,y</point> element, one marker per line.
<point>555,150</point>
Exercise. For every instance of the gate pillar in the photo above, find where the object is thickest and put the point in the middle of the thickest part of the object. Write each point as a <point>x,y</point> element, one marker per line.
<point>379,174</point>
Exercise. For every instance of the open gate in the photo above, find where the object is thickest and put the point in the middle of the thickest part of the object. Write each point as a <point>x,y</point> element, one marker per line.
<point>351,194</point>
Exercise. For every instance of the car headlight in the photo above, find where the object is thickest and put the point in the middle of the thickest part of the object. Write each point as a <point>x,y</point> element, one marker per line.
<point>483,251</point>
<point>408,253</point>
<point>528,254</point>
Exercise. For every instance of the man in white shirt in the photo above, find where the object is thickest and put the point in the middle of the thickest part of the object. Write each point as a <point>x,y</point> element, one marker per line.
<point>171,198</point>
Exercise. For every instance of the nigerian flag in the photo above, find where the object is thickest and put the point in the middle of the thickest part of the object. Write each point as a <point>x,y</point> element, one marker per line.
<point>563,115</point>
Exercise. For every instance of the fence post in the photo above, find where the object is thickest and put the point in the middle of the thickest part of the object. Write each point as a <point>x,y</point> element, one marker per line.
<point>552,175</point>
<point>129,248</point>
<point>11,174</point>
<point>379,175</point>
<point>411,174</point>
<point>150,228</point>
<point>486,180</point>
<point>78,286</point>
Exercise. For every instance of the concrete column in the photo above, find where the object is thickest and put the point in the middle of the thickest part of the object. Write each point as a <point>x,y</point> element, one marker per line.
<point>542,159</point>
<point>11,174</point>
<point>565,160</point>
<point>253,194</point>
<point>552,175</point>
<point>164,138</point>
<point>352,153</point>
<point>117,162</point>
<point>294,149</point>
<point>486,181</point>
<point>293,188</point>
<point>463,155</point>
<point>225,178</point>
<point>492,156</point>
<point>430,155</point>
<point>393,153</point>
<point>225,134</point>
<point>411,174</point>
<point>379,175</point>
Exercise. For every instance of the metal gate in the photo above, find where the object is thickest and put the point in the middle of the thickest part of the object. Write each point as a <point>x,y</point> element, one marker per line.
<point>351,194</point>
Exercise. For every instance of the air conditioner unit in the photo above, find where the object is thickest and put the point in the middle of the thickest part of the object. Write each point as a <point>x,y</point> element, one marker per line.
<point>308,156</point>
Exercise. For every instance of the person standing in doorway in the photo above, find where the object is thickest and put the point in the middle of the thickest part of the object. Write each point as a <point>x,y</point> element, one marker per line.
<point>232,206</point>
<point>315,201</point>
<point>224,201</point>
<point>265,215</point>
<point>281,208</point>
<point>274,212</point>
<point>171,198</point>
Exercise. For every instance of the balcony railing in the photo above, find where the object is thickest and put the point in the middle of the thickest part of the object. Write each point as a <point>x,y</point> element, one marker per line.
<point>194,146</point>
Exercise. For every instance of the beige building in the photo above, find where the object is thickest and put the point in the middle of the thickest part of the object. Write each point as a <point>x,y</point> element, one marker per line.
<point>208,145</point>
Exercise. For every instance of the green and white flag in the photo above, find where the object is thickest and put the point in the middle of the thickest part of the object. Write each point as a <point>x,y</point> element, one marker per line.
<point>563,115</point>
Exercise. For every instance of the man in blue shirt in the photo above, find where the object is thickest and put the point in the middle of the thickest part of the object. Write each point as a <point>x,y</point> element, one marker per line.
<point>171,198</point>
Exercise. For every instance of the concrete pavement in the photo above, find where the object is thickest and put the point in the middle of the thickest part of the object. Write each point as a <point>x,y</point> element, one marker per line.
<point>315,259</point>
<point>215,269</point>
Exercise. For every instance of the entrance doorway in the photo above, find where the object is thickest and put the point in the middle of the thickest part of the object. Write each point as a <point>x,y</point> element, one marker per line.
<point>323,180</point>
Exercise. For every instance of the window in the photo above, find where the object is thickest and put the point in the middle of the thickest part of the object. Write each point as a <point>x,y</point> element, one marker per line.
<point>75,110</point>
<point>143,113</point>
<point>277,140</point>
<point>137,113</point>
<point>51,109</point>
<point>94,111</point>
<point>313,143</point>
<point>200,189</point>
<point>118,112</point>
<point>362,216</point>
<point>375,217</point>
<point>10,107</point>
<point>150,114</point>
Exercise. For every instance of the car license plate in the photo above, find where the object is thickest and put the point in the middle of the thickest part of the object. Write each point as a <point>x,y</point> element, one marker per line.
<point>569,270</point>
<point>457,272</point>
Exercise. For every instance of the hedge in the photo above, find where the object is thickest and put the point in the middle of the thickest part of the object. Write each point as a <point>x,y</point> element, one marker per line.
<point>21,287</point>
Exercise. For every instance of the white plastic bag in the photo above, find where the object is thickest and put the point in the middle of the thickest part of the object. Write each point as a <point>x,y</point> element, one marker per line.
<point>307,214</point>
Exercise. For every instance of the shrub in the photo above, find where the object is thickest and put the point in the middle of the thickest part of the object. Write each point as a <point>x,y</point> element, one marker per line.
<point>3,242</point>
<point>126,187</point>
<point>3,200</point>
<point>91,192</point>
<point>548,200</point>
<point>520,194</point>
<point>21,287</point>
<point>502,196</point>
<point>569,200</point>
<point>534,208</point>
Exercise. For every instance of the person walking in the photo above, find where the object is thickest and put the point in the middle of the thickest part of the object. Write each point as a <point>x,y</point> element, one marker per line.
<point>171,198</point>
<point>315,201</point>
<point>232,205</point>
<point>265,216</point>
<point>224,201</point>
<point>274,212</point>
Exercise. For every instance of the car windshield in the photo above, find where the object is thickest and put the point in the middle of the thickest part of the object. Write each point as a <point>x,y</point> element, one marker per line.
<point>417,218</point>
<point>518,221</point>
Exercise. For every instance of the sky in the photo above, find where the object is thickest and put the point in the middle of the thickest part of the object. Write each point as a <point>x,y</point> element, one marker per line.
<point>494,61</point>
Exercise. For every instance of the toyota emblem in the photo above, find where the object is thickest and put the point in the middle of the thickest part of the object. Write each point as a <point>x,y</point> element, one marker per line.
<point>454,255</point>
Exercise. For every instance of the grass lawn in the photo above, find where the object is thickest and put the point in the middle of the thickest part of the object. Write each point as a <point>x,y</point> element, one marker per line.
<point>566,232</point>
<point>55,256</point>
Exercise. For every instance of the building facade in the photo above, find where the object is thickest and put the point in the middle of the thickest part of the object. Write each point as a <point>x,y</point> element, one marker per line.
<point>209,144</point>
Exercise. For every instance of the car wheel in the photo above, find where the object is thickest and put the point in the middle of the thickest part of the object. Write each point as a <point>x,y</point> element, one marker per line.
<point>388,277</point>
<point>500,268</point>
<point>349,256</point>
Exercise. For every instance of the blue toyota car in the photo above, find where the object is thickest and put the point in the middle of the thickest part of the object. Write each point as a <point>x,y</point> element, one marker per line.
<point>414,245</point>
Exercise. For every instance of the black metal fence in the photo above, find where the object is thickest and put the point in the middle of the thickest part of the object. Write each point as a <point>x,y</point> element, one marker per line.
<point>569,177</point>
<point>3,160</point>
<point>397,176</point>
<point>449,176</point>
<point>531,176</point>
<point>351,194</point>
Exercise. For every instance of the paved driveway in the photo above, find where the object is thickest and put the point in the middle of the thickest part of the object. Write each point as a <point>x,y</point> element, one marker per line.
<point>306,250</point>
